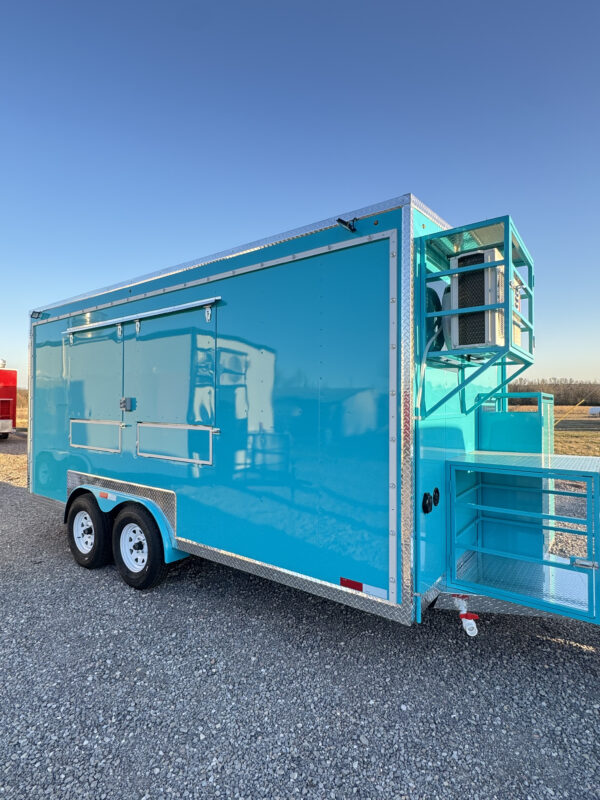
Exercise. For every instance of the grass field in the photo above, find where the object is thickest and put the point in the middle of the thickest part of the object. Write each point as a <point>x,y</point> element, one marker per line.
<point>577,443</point>
<point>571,443</point>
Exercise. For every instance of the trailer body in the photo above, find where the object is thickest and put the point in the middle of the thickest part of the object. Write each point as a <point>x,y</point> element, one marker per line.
<point>287,408</point>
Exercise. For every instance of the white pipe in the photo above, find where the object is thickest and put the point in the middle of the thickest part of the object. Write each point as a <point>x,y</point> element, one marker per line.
<point>467,619</point>
<point>423,367</point>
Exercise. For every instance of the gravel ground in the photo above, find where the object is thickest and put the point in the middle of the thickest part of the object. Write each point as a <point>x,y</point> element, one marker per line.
<point>13,460</point>
<point>220,684</point>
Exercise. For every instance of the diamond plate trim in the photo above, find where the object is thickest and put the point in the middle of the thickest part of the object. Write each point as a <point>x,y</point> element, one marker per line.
<point>393,425</point>
<point>430,595</point>
<point>407,412</point>
<point>426,211</point>
<point>295,580</point>
<point>164,499</point>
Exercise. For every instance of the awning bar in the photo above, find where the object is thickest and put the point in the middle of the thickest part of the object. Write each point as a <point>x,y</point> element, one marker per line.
<point>158,312</point>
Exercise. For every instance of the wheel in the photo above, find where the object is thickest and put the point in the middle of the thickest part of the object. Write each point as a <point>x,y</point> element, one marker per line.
<point>89,537</point>
<point>138,548</point>
<point>3,435</point>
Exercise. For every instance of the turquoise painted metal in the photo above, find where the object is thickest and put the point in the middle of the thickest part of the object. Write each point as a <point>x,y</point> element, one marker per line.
<point>300,398</point>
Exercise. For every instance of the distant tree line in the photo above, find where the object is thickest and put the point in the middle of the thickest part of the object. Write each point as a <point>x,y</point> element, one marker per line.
<point>566,391</point>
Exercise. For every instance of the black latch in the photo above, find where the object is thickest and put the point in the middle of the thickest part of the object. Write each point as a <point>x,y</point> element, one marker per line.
<point>427,504</point>
<point>348,224</point>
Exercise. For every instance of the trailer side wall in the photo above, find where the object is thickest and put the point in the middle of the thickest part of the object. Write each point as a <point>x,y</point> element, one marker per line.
<point>268,417</point>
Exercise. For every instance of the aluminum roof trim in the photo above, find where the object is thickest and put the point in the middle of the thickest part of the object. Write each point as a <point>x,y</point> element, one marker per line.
<point>386,205</point>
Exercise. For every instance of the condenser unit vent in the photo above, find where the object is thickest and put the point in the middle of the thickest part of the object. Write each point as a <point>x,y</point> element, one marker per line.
<point>472,289</point>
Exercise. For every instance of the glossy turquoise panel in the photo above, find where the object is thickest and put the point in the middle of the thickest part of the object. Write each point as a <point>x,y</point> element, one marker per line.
<point>96,435</point>
<point>448,430</point>
<point>299,477</point>
<point>170,368</point>
<point>292,369</point>
<point>510,431</point>
<point>186,443</point>
<point>50,433</point>
<point>94,361</point>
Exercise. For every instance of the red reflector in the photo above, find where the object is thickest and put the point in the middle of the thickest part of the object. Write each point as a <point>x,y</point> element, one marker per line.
<point>103,494</point>
<point>351,584</point>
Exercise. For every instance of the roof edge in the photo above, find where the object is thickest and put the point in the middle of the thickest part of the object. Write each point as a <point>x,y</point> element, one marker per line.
<point>366,211</point>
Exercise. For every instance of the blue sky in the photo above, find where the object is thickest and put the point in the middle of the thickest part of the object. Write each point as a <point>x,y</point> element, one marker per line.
<point>136,135</point>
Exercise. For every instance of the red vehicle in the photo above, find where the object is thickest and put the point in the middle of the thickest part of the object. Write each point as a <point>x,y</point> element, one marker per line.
<point>8,402</point>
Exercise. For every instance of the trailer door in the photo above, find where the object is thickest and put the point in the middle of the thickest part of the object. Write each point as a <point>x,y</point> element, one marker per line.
<point>169,385</point>
<point>95,381</point>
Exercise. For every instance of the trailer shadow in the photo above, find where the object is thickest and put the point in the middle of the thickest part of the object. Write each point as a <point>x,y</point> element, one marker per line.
<point>308,615</point>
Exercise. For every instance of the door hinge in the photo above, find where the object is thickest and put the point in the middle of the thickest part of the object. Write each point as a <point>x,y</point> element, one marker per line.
<point>208,313</point>
<point>584,563</point>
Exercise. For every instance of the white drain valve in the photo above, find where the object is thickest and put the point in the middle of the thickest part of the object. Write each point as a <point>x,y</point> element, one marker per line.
<point>466,617</point>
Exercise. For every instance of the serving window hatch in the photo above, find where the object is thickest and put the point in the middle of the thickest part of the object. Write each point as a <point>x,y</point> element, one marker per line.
<point>144,384</point>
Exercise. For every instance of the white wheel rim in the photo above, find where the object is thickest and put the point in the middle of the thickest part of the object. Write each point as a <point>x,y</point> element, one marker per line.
<point>134,547</point>
<point>83,532</point>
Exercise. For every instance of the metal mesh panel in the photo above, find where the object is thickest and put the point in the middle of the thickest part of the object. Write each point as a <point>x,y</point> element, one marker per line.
<point>471,292</point>
<point>164,499</point>
<point>540,582</point>
<point>471,328</point>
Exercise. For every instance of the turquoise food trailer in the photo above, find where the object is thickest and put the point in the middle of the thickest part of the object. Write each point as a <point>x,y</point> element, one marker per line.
<point>328,408</point>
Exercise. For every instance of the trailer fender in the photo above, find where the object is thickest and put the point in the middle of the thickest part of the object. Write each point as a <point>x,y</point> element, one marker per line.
<point>111,502</point>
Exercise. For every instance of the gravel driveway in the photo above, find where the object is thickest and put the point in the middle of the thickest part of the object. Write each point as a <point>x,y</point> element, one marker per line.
<point>220,684</point>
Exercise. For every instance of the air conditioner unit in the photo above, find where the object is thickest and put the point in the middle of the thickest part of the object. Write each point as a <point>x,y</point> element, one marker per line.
<point>480,287</point>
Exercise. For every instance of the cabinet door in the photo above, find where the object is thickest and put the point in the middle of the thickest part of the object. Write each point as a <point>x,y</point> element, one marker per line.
<point>95,367</point>
<point>169,376</point>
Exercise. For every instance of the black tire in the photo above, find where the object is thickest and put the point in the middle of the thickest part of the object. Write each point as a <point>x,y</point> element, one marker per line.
<point>89,549</point>
<point>3,435</point>
<point>133,526</point>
